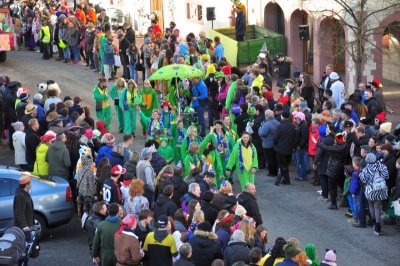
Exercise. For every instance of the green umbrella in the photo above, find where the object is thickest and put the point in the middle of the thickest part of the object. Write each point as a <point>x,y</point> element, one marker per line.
<point>176,71</point>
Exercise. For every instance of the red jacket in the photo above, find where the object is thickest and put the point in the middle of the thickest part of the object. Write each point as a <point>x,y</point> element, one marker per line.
<point>312,147</point>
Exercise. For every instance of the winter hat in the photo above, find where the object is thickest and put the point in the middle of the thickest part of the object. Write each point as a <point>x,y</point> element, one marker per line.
<point>291,250</point>
<point>147,40</point>
<point>87,160</point>
<point>347,112</point>
<point>381,117</point>
<point>303,105</point>
<point>240,210</point>
<point>24,179</point>
<point>299,115</point>
<point>88,133</point>
<point>227,70</point>
<point>364,120</point>
<point>348,124</point>
<point>348,103</point>
<point>370,158</point>
<point>162,221</point>
<point>391,138</point>
<point>330,256</point>
<point>387,127</point>
<point>204,226</point>
<point>23,96</point>
<point>118,170</point>
<point>17,126</point>
<point>334,76</point>
<point>109,138</point>
<point>146,152</point>
<point>261,55</point>
<point>285,114</point>
<point>238,235</point>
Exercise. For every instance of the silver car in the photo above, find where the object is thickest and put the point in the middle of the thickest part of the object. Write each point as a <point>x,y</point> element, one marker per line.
<point>52,200</point>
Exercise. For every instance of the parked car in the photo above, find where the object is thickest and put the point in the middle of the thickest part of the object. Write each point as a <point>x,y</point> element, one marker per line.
<point>52,200</point>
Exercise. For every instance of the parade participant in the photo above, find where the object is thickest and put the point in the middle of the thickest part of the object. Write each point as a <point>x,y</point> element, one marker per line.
<point>231,95</point>
<point>191,136</point>
<point>167,118</point>
<point>244,156</point>
<point>166,151</point>
<point>150,102</point>
<point>153,124</point>
<point>178,135</point>
<point>103,109</point>
<point>173,85</point>
<point>115,95</point>
<point>192,158</point>
<point>211,158</point>
<point>128,99</point>
<point>199,101</point>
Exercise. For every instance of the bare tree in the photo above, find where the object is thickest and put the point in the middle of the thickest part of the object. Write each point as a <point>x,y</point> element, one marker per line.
<point>361,19</point>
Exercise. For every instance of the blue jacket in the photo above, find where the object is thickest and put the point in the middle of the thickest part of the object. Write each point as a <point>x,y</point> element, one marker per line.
<point>219,51</point>
<point>199,90</point>
<point>354,116</point>
<point>354,184</point>
<point>108,58</point>
<point>266,132</point>
<point>287,262</point>
<point>240,25</point>
<point>104,151</point>
<point>247,79</point>
<point>223,239</point>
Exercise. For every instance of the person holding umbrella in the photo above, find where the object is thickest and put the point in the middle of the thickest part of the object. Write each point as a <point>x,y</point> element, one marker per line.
<point>199,101</point>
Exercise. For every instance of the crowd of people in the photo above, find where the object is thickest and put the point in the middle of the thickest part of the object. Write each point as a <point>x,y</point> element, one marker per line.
<point>173,202</point>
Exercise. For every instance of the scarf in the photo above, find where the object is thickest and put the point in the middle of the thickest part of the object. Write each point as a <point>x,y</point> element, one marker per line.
<point>241,162</point>
<point>152,128</point>
<point>198,139</point>
<point>222,142</point>
<point>196,161</point>
<point>168,133</point>
<point>181,136</point>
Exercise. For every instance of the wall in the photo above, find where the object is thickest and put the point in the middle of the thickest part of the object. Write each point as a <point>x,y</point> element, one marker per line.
<point>391,61</point>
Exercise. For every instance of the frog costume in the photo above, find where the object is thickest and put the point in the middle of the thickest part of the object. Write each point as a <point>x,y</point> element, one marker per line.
<point>229,99</point>
<point>192,159</point>
<point>149,103</point>
<point>213,159</point>
<point>128,105</point>
<point>115,94</point>
<point>167,152</point>
<point>168,119</point>
<point>185,148</point>
<point>101,95</point>
<point>177,139</point>
<point>245,159</point>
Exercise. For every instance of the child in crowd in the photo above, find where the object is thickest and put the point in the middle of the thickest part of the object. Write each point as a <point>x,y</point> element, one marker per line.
<point>193,157</point>
<point>355,190</point>
<point>346,190</point>
<point>166,150</point>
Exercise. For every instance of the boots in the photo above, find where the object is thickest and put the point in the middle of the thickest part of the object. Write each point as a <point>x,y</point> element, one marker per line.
<point>377,229</point>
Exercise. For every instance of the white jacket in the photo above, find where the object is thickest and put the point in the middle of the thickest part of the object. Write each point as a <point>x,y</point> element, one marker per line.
<point>19,147</point>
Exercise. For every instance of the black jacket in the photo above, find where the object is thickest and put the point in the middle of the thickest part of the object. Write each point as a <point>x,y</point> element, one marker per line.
<point>284,68</point>
<point>372,110</point>
<point>301,137</point>
<point>141,232</point>
<point>31,142</point>
<point>249,202</point>
<point>236,251</point>
<point>338,153</point>
<point>322,156</point>
<point>164,206</point>
<point>284,137</point>
<point>204,186</point>
<point>157,162</point>
<point>210,212</point>
<point>241,122</point>
<point>256,139</point>
<point>10,116</point>
<point>183,262</point>
<point>205,249</point>
<point>390,162</point>
<point>180,188</point>
<point>23,209</point>
<point>358,142</point>
<point>91,225</point>
<point>124,46</point>
<point>130,35</point>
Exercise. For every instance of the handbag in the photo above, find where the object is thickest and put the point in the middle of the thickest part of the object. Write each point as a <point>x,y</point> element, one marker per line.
<point>116,102</point>
<point>236,106</point>
<point>99,106</point>
<point>139,66</point>
<point>117,61</point>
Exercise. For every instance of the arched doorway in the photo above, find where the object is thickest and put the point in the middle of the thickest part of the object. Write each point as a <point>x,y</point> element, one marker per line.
<point>333,44</point>
<point>274,19</point>
<point>301,51</point>
<point>391,52</point>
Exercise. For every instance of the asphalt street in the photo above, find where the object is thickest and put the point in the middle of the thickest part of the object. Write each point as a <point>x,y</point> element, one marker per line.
<point>287,211</point>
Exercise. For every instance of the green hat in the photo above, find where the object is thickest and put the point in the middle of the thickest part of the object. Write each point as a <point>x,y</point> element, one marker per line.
<point>291,251</point>
<point>219,74</point>
<point>164,139</point>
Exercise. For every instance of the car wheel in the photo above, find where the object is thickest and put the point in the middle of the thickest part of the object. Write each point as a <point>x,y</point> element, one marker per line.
<point>40,225</point>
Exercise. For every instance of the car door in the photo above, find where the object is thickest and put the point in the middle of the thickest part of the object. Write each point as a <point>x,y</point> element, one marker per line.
<point>7,192</point>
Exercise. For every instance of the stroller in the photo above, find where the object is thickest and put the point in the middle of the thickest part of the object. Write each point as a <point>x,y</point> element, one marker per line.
<point>15,248</point>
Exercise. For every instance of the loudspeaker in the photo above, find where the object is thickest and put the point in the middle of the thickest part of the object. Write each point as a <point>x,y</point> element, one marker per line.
<point>210,13</point>
<point>304,33</point>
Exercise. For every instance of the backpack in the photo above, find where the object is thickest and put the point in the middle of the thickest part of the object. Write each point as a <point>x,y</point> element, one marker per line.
<point>201,46</point>
<point>12,246</point>
<point>97,9</point>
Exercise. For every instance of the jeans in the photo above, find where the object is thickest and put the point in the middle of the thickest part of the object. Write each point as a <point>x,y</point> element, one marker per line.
<point>200,114</point>
<point>46,50</point>
<point>301,167</point>
<point>356,203</point>
<point>89,58</point>
<point>133,74</point>
<point>351,202</point>
<point>269,154</point>
<point>362,217</point>
<point>307,161</point>
<point>75,50</point>
<point>66,52</point>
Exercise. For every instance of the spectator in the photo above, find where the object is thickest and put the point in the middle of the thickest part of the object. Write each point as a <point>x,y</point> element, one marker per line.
<point>135,203</point>
<point>186,253</point>
<point>209,209</point>
<point>180,186</point>
<point>164,205</point>
<point>58,158</point>
<point>98,215</point>
<point>111,187</point>
<point>237,249</point>
<point>117,156</point>
<point>145,172</point>
<point>32,141</point>
<point>19,145</point>
<point>249,202</point>
<point>291,255</point>
<point>144,226</point>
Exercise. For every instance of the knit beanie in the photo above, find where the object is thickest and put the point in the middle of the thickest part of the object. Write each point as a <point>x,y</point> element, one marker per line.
<point>240,210</point>
<point>238,235</point>
<point>330,256</point>
<point>370,158</point>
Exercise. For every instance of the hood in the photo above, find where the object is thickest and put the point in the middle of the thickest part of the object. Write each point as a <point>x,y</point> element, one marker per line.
<point>42,149</point>
<point>115,154</point>
<point>237,243</point>
<point>58,145</point>
<point>310,251</point>
<point>260,78</point>
<point>205,234</point>
<point>176,181</point>
<point>160,235</point>
<point>162,199</point>
<point>18,135</point>
<point>288,60</point>
<point>86,160</point>
<point>100,124</point>
<point>245,197</point>
<point>199,179</point>
<point>21,105</point>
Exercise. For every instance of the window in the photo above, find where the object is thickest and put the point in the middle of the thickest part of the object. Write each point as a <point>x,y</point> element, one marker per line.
<point>5,187</point>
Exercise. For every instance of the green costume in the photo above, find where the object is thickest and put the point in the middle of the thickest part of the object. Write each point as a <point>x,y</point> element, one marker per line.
<point>167,152</point>
<point>191,159</point>
<point>150,102</point>
<point>104,115</point>
<point>168,120</point>
<point>103,41</point>
<point>171,93</point>
<point>214,159</point>
<point>229,99</point>
<point>177,138</point>
<point>115,94</point>
<point>245,159</point>
<point>103,242</point>
<point>151,126</point>
<point>185,148</point>
<point>127,104</point>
